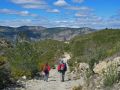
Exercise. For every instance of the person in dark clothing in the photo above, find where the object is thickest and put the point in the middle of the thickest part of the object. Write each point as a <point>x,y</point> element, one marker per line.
<point>46,70</point>
<point>62,68</point>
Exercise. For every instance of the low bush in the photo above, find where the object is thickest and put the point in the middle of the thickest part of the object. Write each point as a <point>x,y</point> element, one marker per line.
<point>111,75</point>
<point>77,87</point>
<point>4,73</point>
<point>23,59</point>
<point>27,58</point>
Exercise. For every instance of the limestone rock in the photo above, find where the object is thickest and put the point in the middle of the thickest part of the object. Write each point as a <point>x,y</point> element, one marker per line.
<point>100,67</point>
<point>83,66</point>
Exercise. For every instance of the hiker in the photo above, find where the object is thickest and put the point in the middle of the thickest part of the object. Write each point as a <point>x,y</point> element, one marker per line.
<point>41,72</point>
<point>62,68</point>
<point>46,70</point>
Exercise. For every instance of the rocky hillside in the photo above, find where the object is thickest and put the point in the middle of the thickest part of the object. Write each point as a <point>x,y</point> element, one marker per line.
<point>94,61</point>
<point>96,58</point>
<point>41,33</point>
<point>96,46</point>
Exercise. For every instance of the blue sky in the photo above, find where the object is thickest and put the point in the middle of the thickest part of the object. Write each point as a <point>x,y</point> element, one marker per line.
<point>61,13</point>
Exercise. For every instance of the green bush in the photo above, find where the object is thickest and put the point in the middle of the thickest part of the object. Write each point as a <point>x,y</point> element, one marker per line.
<point>26,58</point>
<point>88,73</point>
<point>23,59</point>
<point>4,73</point>
<point>111,75</point>
<point>77,87</point>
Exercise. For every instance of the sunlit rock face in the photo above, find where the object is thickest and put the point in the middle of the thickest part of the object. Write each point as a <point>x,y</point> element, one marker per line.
<point>102,66</point>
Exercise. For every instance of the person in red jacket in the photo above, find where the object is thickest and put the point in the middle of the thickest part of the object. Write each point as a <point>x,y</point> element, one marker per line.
<point>46,70</point>
<point>62,68</point>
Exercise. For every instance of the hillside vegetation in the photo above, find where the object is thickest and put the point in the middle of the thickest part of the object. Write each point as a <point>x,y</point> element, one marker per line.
<point>92,48</point>
<point>27,58</point>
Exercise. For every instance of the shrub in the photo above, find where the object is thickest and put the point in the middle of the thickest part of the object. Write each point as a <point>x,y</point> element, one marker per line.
<point>26,58</point>
<point>23,59</point>
<point>111,75</point>
<point>4,73</point>
<point>41,66</point>
<point>77,87</point>
<point>2,60</point>
<point>88,73</point>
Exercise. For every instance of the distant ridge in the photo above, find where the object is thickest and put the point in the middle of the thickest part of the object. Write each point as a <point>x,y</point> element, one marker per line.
<point>41,33</point>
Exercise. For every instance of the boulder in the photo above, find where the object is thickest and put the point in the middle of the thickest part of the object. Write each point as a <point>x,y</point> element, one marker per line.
<point>100,67</point>
<point>83,66</point>
<point>104,65</point>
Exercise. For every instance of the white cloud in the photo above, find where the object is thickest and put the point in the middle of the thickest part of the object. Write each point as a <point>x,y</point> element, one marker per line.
<point>60,3</point>
<point>88,17</point>
<point>53,11</point>
<point>114,21</point>
<point>93,22</point>
<point>84,12</point>
<point>25,1</point>
<point>35,4</point>
<point>16,23</point>
<point>80,15</point>
<point>79,8</point>
<point>14,12</point>
<point>85,8</point>
<point>83,18</point>
<point>78,1</point>
<point>25,22</point>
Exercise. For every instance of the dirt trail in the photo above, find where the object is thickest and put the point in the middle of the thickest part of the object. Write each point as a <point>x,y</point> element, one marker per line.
<point>54,82</point>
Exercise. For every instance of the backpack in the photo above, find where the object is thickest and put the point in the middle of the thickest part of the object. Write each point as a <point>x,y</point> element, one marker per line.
<point>59,67</point>
<point>63,67</point>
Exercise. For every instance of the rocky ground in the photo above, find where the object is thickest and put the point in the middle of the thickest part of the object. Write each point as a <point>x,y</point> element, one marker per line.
<point>74,80</point>
<point>53,83</point>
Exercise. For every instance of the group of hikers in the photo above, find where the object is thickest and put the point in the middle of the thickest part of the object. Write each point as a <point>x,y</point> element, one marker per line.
<point>61,68</point>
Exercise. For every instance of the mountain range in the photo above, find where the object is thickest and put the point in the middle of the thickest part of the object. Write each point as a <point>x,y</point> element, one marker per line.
<point>42,33</point>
